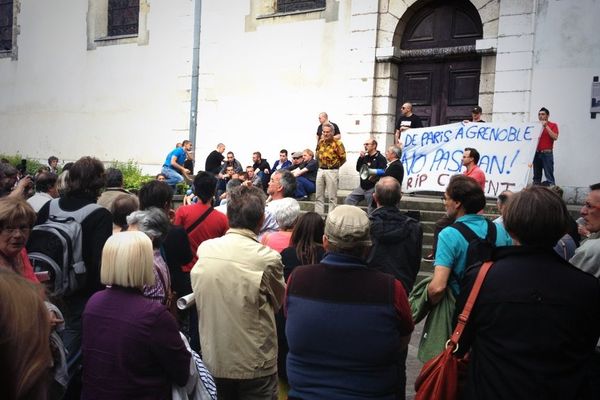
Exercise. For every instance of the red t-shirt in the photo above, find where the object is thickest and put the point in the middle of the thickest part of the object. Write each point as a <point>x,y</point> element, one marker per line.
<point>28,268</point>
<point>213,226</point>
<point>546,142</point>
<point>477,174</point>
<point>278,241</point>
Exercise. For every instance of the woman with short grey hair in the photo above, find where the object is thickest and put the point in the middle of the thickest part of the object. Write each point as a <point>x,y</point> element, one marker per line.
<point>286,218</point>
<point>155,224</point>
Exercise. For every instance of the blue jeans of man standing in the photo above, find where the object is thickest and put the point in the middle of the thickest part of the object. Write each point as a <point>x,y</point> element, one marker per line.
<point>543,160</point>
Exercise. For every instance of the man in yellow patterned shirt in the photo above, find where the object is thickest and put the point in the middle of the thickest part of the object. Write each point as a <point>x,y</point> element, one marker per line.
<point>331,156</point>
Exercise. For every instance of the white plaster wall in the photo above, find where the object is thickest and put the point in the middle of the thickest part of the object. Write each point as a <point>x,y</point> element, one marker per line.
<point>263,82</point>
<point>566,57</point>
<point>116,102</point>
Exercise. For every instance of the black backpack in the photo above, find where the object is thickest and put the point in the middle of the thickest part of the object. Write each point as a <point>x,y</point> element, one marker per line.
<point>480,249</point>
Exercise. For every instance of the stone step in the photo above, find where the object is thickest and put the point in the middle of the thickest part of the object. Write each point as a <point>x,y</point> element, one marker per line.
<point>426,208</point>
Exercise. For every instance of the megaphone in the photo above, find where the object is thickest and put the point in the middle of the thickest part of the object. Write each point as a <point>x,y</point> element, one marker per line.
<point>370,173</point>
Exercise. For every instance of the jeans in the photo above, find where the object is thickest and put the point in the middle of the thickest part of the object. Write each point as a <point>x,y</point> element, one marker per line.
<point>304,187</point>
<point>543,161</point>
<point>173,177</point>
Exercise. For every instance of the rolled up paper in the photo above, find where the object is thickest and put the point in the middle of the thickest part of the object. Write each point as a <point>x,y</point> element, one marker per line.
<point>186,301</point>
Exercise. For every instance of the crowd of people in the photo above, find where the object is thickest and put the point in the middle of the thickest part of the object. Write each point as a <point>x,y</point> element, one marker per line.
<point>326,305</point>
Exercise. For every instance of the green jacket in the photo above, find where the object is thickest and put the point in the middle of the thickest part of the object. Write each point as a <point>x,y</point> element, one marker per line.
<point>438,326</point>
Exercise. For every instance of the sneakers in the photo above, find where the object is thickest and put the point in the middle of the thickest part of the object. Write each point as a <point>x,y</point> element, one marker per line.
<point>429,258</point>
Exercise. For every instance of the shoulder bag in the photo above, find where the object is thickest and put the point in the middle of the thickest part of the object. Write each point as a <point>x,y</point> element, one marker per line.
<point>440,378</point>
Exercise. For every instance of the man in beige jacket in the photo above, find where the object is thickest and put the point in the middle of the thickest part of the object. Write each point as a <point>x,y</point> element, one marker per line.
<point>238,286</point>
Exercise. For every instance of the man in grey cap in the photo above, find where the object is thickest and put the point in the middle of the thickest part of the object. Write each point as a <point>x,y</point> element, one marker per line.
<point>347,326</point>
<point>304,169</point>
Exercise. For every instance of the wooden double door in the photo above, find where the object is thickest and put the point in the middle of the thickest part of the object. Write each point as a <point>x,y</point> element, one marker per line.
<point>441,92</point>
<point>439,70</point>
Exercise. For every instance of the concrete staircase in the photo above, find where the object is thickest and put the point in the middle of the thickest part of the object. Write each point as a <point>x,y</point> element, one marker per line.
<point>426,208</point>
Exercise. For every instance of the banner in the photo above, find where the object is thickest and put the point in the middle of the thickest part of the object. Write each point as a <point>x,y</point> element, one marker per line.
<point>432,155</point>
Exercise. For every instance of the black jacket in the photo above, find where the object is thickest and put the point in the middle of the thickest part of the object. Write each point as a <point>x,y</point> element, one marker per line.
<point>376,161</point>
<point>397,241</point>
<point>533,329</point>
<point>396,170</point>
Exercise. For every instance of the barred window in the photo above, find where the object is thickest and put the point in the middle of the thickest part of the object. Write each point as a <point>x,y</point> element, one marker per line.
<point>6,25</point>
<point>123,17</point>
<point>299,5</point>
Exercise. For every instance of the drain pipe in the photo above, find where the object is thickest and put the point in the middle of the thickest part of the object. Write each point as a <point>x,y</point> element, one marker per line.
<point>195,71</point>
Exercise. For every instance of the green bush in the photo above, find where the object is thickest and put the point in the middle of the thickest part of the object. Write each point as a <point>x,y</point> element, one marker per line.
<point>32,165</point>
<point>133,178</point>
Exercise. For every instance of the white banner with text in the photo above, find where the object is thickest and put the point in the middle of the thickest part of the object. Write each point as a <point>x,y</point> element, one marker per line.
<point>432,155</point>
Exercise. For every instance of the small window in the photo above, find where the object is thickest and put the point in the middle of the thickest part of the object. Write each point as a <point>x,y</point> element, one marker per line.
<point>284,6</point>
<point>116,22</point>
<point>6,25</point>
<point>123,17</point>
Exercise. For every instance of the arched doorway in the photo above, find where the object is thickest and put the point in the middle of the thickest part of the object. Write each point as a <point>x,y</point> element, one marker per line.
<point>439,68</point>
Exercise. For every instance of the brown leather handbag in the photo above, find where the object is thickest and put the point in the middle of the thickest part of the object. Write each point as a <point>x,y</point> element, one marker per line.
<point>441,377</point>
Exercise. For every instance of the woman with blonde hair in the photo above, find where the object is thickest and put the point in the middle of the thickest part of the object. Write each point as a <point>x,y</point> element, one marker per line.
<point>131,346</point>
<point>24,339</point>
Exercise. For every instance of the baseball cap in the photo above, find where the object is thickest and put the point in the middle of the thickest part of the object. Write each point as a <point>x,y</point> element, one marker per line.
<point>476,110</point>
<point>296,154</point>
<point>347,226</point>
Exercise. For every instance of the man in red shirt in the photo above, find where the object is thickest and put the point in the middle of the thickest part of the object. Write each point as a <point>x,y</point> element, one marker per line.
<point>470,160</point>
<point>212,225</point>
<point>544,159</point>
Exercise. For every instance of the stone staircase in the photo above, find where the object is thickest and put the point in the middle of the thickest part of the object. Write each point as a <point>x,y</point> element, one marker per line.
<point>428,209</point>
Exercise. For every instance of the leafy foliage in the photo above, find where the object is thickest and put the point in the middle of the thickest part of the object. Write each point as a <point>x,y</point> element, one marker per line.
<point>133,178</point>
<point>32,165</point>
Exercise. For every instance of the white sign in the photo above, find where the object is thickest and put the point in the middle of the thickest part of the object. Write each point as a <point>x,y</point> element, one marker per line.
<point>432,155</point>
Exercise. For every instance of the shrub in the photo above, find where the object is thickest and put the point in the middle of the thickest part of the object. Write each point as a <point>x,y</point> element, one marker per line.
<point>32,165</point>
<point>133,178</point>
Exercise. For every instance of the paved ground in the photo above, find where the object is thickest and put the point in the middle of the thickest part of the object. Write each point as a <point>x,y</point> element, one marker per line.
<point>413,365</point>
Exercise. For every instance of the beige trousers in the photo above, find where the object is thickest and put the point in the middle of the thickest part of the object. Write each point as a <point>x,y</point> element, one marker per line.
<point>326,183</point>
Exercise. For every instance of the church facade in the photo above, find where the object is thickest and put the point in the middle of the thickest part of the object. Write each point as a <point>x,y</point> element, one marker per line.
<point>116,79</point>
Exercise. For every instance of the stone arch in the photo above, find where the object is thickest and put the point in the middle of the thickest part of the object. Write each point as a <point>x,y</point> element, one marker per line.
<point>393,17</point>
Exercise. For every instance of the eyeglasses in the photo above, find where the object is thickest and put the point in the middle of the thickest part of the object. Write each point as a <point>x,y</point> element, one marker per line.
<point>590,206</point>
<point>25,230</point>
<point>443,198</point>
<point>368,144</point>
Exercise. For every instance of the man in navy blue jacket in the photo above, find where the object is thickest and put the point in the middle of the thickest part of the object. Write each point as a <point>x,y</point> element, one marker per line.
<point>347,325</point>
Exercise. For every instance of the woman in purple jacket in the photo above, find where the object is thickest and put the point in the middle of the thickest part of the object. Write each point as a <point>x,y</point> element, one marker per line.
<point>131,345</point>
